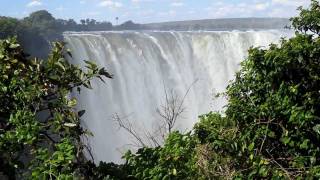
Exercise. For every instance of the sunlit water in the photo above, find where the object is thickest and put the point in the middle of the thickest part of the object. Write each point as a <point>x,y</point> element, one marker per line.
<point>146,63</point>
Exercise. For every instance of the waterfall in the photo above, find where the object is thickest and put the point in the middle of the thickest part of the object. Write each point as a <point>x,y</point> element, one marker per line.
<point>144,64</point>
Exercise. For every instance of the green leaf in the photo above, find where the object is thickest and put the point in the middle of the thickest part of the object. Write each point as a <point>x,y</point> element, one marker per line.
<point>70,124</point>
<point>14,46</point>
<point>304,145</point>
<point>251,156</point>
<point>61,65</point>
<point>251,146</point>
<point>72,102</point>
<point>174,172</point>
<point>316,129</point>
<point>286,140</point>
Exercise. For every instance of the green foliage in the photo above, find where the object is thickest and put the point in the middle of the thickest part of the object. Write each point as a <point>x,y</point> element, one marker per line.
<point>39,128</point>
<point>8,27</point>
<point>271,127</point>
<point>48,165</point>
<point>309,19</point>
<point>217,137</point>
<point>41,21</point>
<point>175,160</point>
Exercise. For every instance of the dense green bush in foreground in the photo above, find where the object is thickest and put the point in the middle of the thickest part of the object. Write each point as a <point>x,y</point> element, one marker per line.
<point>39,127</point>
<point>270,130</point>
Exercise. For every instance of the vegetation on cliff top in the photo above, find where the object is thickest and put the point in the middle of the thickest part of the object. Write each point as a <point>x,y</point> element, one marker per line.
<point>35,31</point>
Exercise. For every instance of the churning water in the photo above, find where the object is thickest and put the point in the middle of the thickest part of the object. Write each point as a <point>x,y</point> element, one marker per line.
<point>144,64</point>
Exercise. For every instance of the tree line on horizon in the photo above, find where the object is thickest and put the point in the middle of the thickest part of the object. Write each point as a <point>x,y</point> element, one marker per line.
<point>36,31</point>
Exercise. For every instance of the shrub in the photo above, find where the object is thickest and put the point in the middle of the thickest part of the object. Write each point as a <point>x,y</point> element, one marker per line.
<point>39,127</point>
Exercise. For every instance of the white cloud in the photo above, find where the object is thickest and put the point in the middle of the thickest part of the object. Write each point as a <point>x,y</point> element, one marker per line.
<point>276,12</point>
<point>258,8</point>
<point>261,6</point>
<point>60,8</point>
<point>221,10</point>
<point>34,3</point>
<point>146,12</point>
<point>177,4</point>
<point>291,2</point>
<point>170,13</point>
<point>83,2</point>
<point>92,13</point>
<point>110,4</point>
<point>191,12</point>
<point>139,1</point>
<point>135,7</point>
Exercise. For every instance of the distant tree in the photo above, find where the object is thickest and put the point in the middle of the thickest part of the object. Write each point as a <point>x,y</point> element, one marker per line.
<point>129,25</point>
<point>117,20</point>
<point>105,26</point>
<point>36,31</point>
<point>43,22</point>
<point>83,22</point>
<point>87,21</point>
<point>8,27</point>
<point>93,22</point>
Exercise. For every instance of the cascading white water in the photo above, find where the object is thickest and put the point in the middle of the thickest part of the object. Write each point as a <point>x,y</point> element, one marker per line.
<point>146,63</point>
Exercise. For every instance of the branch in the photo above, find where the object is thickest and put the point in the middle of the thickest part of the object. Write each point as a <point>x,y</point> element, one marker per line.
<point>173,107</point>
<point>281,167</point>
<point>129,128</point>
<point>48,137</point>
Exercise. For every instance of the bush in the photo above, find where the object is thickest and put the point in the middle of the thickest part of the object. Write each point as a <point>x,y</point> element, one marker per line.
<point>39,127</point>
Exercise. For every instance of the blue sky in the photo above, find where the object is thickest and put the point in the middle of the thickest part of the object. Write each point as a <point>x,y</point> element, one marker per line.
<point>144,11</point>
